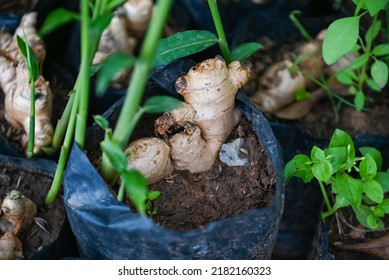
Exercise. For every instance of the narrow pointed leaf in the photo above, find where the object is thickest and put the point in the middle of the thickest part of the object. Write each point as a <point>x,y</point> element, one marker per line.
<point>160,104</point>
<point>244,51</point>
<point>135,184</point>
<point>56,19</point>
<point>183,44</point>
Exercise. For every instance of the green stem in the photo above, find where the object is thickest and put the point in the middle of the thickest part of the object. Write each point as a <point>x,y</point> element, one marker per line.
<point>83,89</point>
<point>60,129</point>
<point>325,196</point>
<point>63,157</point>
<point>139,77</point>
<point>300,27</point>
<point>223,44</point>
<point>31,133</point>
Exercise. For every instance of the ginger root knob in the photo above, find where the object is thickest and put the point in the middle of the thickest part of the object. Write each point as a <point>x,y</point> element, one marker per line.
<point>151,156</point>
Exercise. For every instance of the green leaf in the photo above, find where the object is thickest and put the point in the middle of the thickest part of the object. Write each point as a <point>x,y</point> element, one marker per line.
<point>340,138</point>
<point>373,85</point>
<point>344,77</point>
<point>373,191</point>
<point>340,38</point>
<point>115,155</point>
<point>243,51</point>
<point>361,213</point>
<point>101,122</point>
<point>360,61</point>
<point>98,25</point>
<point>299,167</point>
<point>373,31</point>
<point>56,19</point>
<point>384,205</point>
<point>359,100</point>
<point>379,73</point>
<point>159,104</point>
<point>302,94</point>
<point>29,58</point>
<point>382,49</point>
<point>373,221</point>
<point>110,67</point>
<point>374,6</point>
<point>317,154</point>
<point>383,179</point>
<point>376,154</point>
<point>337,157</point>
<point>153,195</point>
<point>183,44</point>
<point>322,170</point>
<point>340,202</point>
<point>368,167</point>
<point>348,187</point>
<point>135,184</point>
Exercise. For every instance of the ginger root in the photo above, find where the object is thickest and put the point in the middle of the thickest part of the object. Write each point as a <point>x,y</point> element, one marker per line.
<point>128,25</point>
<point>278,86</point>
<point>15,83</point>
<point>10,247</point>
<point>208,115</point>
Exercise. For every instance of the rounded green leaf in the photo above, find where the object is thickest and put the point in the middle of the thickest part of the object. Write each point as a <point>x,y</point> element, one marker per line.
<point>374,6</point>
<point>383,179</point>
<point>376,154</point>
<point>373,85</point>
<point>322,170</point>
<point>379,73</point>
<point>359,100</point>
<point>373,191</point>
<point>368,167</point>
<point>340,38</point>
<point>299,167</point>
<point>317,154</point>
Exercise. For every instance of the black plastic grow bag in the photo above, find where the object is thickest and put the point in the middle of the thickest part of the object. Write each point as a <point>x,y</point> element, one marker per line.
<point>108,229</point>
<point>64,245</point>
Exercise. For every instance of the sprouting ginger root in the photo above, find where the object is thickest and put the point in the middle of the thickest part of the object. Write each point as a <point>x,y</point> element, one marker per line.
<point>15,83</point>
<point>278,85</point>
<point>128,25</point>
<point>207,117</point>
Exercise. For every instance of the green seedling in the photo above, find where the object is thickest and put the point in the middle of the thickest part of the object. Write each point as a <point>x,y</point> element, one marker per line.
<point>33,71</point>
<point>350,181</point>
<point>343,38</point>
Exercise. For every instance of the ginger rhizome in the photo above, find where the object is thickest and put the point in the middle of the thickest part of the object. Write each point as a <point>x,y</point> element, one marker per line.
<point>279,84</point>
<point>206,119</point>
<point>15,83</point>
<point>126,28</point>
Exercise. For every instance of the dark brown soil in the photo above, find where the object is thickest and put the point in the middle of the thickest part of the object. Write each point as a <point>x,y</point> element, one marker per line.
<point>322,121</point>
<point>34,186</point>
<point>190,201</point>
<point>345,237</point>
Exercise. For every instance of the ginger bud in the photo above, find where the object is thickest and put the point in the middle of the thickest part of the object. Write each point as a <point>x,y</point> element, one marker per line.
<point>10,247</point>
<point>18,212</point>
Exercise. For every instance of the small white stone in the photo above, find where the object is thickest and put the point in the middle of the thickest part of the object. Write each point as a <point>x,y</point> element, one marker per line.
<point>231,154</point>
